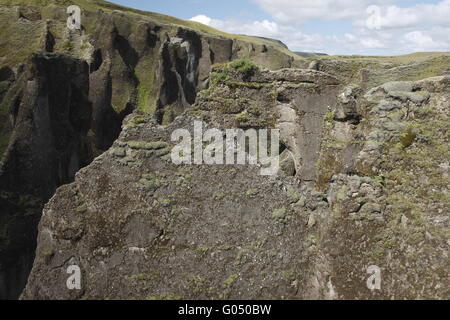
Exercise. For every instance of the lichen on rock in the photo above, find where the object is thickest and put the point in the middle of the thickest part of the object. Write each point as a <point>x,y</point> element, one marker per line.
<point>86,132</point>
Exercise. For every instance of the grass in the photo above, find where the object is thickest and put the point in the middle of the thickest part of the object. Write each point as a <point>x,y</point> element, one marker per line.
<point>400,60</point>
<point>95,5</point>
<point>67,46</point>
<point>221,76</point>
<point>249,85</point>
<point>329,116</point>
<point>16,48</point>
<point>244,66</point>
<point>408,137</point>
<point>382,69</point>
<point>145,73</point>
<point>18,39</point>
<point>242,118</point>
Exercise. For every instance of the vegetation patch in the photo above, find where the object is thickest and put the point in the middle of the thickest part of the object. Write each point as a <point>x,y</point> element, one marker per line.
<point>245,67</point>
<point>408,137</point>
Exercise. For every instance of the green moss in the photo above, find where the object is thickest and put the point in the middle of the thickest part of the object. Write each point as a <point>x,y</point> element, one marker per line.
<point>311,240</point>
<point>289,274</point>
<point>225,104</point>
<point>282,215</point>
<point>240,258</point>
<point>20,38</point>
<point>48,252</point>
<point>255,109</point>
<point>244,66</point>
<point>142,145</point>
<point>144,277</point>
<point>220,75</point>
<point>293,85</point>
<point>149,183</point>
<point>329,163</point>
<point>411,178</point>
<point>202,250</point>
<point>91,133</point>
<point>379,180</point>
<point>230,280</point>
<point>84,46</point>
<point>67,46</point>
<point>294,197</point>
<point>165,202</point>
<point>197,284</point>
<point>251,192</point>
<point>146,94</point>
<point>139,119</point>
<point>81,208</point>
<point>165,296</point>
<point>119,152</point>
<point>329,116</point>
<point>249,85</point>
<point>243,118</point>
<point>218,195</point>
<point>143,98</point>
<point>226,247</point>
<point>80,203</point>
<point>408,137</point>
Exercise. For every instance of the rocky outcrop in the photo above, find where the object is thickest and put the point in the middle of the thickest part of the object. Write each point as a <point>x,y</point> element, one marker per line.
<point>389,198</point>
<point>139,226</point>
<point>138,61</point>
<point>294,101</point>
<point>57,113</point>
<point>247,217</point>
<point>47,147</point>
<point>369,72</point>
<point>363,178</point>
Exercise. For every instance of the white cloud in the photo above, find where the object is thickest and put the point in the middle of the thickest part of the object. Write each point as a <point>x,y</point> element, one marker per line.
<point>372,43</point>
<point>389,17</point>
<point>420,41</point>
<point>264,28</point>
<point>376,26</point>
<point>350,38</point>
<point>380,17</point>
<point>202,19</point>
<point>297,11</point>
<point>260,28</point>
<point>292,37</point>
<point>300,41</point>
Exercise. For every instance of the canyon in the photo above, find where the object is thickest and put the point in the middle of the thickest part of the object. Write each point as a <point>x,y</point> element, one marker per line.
<point>86,177</point>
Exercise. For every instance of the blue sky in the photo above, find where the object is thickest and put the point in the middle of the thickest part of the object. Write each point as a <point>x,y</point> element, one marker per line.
<point>370,27</point>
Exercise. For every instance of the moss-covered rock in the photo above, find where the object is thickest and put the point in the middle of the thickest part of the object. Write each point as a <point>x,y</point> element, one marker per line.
<point>363,176</point>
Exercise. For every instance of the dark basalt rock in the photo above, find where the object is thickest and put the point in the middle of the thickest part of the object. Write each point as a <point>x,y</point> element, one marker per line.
<point>57,112</point>
<point>47,147</point>
<point>362,182</point>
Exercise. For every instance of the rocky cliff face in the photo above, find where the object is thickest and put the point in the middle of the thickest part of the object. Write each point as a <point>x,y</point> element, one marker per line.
<point>369,187</point>
<point>363,178</point>
<point>48,145</point>
<point>64,106</point>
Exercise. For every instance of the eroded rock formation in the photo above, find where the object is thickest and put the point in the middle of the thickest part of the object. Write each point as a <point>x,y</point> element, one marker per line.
<point>57,112</point>
<point>370,197</point>
<point>363,179</point>
<point>48,145</point>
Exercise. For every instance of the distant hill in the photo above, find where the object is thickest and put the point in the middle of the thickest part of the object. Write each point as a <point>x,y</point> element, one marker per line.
<point>276,41</point>
<point>310,54</point>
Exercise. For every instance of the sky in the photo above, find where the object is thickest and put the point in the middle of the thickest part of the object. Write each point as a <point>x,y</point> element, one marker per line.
<point>368,27</point>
